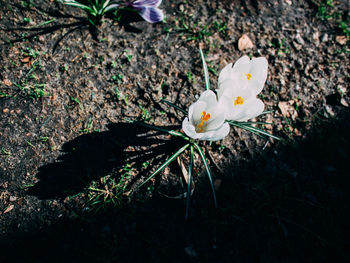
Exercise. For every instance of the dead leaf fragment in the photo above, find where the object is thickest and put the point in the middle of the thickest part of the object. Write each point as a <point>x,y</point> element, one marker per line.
<point>287,109</point>
<point>269,119</point>
<point>183,170</point>
<point>297,132</point>
<point>7,82</point>
<point>341,40</point>
<point>244,43</point>
<point>9,208</point>
<point>25,60</point>
<point>343,102</point>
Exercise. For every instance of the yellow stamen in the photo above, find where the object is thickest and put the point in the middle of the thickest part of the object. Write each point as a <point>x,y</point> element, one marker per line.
<point>205,117</point>
<point>248,75</point>
<point>239,100</point>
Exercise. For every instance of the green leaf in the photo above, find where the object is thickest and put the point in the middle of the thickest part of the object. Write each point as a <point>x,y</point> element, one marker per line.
<point>105,4</point>
<point>111,7</point>
<point>44,23</point>
<point>266,112</point>
<point>176,133</point>
<point>207,168</point>
<point>95,10</point>
<point>173,105</point>
<point>205,68</point>
<point>171,132</point>
<point>252,129</point>
<point>165,164</point>
<point>76,4</point>
<point>253,122</point>
<point>189,185</point>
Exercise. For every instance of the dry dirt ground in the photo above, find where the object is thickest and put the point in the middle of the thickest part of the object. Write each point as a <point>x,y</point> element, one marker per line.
<point>70,158</point>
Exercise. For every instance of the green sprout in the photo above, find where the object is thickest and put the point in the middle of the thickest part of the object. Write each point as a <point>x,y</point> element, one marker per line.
<point>96,9</point>
<point>110,190</point>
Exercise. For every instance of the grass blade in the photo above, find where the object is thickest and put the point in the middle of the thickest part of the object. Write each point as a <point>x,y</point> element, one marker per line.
<point>165,164</point>
<point>207,168</point>
<point>150,126</point>
<point>266,112</point>
<point>205,68</point>
<point>189,185</point>
<point>173,105</point>
<point>176,133</point>
<point>171,132</point>
<point>111,7</point>
<point>76,4</point>
<point>253,122</point>
<point>44,23</point>
<point>252,129</point>
<point>156,128</point>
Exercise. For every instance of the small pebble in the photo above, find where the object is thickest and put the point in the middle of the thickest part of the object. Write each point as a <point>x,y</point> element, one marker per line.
<point>299,39</point>
<point>324,38</point>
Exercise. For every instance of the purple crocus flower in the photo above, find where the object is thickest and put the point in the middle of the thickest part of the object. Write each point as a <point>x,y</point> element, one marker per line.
<point>147,9</point>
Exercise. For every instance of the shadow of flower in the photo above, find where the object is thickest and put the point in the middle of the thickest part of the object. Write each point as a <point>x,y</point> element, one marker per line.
<point>92,156</point>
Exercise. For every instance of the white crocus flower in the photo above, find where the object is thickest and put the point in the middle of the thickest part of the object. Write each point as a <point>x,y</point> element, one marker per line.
<point>206,120</point>
<point>254,70</point>
<point>238,86</point>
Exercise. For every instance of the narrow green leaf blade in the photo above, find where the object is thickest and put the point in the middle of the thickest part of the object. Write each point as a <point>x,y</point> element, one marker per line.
<point>173,105</point>
<point>76,4</point>
<point>254,122</point>
<point>252,129</point>
<point>205,68</point>
<point>156,128</point>
<point>111,7</point>
<point>176,133</point>
<point>207,168</point>
<point>267,112</point>
<point>190,168</point>
<point>165,164</point>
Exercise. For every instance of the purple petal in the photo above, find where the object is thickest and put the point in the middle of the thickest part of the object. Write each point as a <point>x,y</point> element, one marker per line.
<point>146,3</point>
<point>151,14</point>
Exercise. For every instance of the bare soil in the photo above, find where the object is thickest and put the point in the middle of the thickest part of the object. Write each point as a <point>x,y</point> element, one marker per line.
<point>68,93</point>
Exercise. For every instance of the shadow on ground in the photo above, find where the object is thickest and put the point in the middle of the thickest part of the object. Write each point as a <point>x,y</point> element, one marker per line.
<point>92,156</point>
<point>125,19</point>
<point>289,204</point>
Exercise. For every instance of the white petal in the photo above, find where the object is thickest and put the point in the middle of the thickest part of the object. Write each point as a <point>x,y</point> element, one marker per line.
<point>253,109</point>
<point>225,73</point>
<point>235,113</point>
<point>243,64</point>
<point>189,129</point>
<point>195,111</point>
<point>231,111</point>
<point>232,90</point>
<point>238,82</point>
<point>218,134</point>
<point>209,97</point>
<point>259,72</point>
<point>217,118</point>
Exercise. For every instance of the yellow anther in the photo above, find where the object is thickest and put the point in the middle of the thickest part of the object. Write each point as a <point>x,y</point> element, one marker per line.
<point>239,100</point>
<point>248,75</point>
<point>205,117</point>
